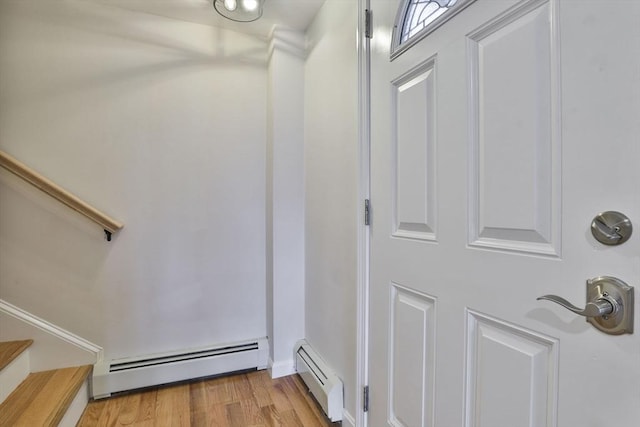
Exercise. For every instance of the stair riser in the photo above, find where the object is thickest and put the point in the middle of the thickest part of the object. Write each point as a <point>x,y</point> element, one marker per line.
<point>13,374</point>
<point>75,410</point>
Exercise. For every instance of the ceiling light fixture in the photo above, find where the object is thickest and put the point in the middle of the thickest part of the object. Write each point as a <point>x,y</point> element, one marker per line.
<point>230,5</point>
<point>239,10</point>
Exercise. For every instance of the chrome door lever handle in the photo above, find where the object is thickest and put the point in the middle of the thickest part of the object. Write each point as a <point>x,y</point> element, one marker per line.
<point>609,305</point>
<point>598,308</point>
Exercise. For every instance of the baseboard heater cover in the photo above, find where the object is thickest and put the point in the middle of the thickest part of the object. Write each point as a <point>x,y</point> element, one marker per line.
<point>138,372</point>
<point>322,382</point>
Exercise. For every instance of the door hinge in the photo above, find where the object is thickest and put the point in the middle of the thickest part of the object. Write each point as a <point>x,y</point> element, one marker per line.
<point>365,399</point>
<point>368,24</point>
<point>366,211</point>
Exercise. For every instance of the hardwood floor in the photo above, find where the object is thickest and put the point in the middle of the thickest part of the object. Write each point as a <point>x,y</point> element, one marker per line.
<point>245,400</point>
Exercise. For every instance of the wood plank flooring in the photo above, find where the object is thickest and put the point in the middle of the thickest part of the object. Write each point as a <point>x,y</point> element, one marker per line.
<point>245,400</point>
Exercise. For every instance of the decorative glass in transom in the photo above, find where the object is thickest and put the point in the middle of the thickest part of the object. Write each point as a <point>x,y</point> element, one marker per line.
<point>420,13</point>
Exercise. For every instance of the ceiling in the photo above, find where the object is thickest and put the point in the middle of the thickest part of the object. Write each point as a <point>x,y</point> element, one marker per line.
<point>294,14</point>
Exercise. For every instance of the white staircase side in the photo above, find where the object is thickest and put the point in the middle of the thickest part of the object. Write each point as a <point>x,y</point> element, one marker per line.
<point>53,347</point>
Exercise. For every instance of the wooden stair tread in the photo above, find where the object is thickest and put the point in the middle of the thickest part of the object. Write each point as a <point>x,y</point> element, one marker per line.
<point>43,398</point>
<point>9,350</point>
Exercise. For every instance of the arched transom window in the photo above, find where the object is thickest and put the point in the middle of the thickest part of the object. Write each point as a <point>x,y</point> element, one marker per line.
<point>417,18</point>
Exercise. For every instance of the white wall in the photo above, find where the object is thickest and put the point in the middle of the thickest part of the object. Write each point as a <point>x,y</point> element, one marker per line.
<point>285,194</point>
<point>161,123</point>
<point>331,183</point>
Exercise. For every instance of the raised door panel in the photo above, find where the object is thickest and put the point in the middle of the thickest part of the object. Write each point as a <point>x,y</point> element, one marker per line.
<point>515,145</point>
<point>414,209</point>
<point>511,375</point>
<point>412,358</point>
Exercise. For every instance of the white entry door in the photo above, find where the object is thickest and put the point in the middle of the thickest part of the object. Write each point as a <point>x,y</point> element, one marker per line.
<point>495,141</point>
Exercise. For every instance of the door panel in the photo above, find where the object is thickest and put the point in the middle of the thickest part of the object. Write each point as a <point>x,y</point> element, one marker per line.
<point>515,175</point>
<point>412,344</point>
<point>507,363</point>
<point>415,206</point>
<point>495,140</point>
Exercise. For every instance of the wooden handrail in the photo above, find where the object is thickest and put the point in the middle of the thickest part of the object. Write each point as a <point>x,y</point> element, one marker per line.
<point>23,171</point>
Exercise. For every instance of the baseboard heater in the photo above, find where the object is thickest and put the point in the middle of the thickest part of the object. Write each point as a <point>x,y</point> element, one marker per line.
<point>157,369</point>
<point>325,386</point>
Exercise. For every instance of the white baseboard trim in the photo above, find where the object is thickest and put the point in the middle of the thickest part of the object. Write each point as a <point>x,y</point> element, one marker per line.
<point>281,368</point>
<point>347,419</point>
<point>52,329</point>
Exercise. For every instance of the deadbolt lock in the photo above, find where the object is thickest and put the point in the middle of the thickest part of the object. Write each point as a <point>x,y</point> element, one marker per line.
<point>611,228</point>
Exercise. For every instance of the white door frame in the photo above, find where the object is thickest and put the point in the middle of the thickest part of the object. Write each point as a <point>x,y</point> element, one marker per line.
<point>362,333</point>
